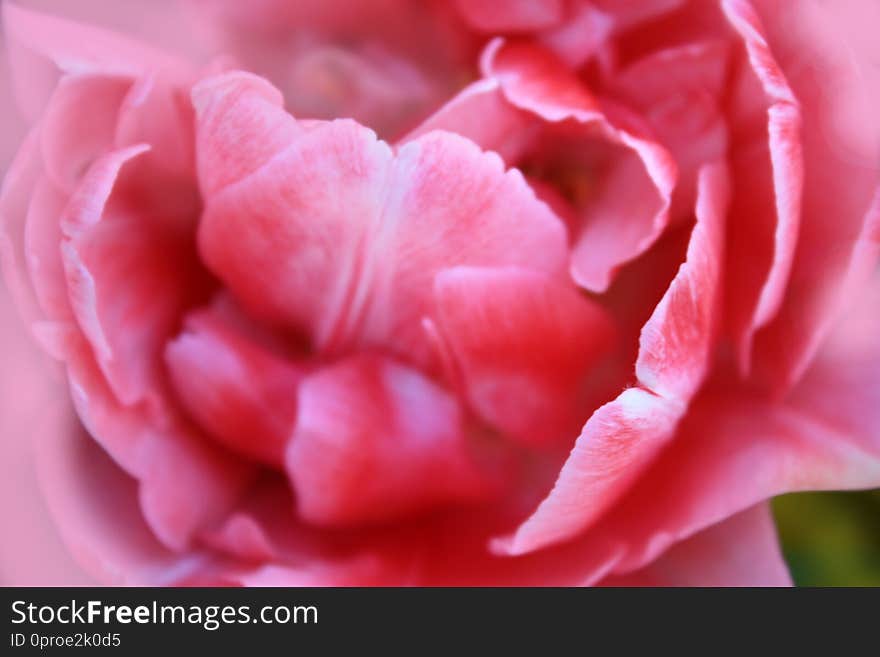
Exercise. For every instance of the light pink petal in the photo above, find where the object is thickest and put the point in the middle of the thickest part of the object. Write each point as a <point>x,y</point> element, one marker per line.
<point>241,125</point>
<point>735,450</point>
<point>523,346</point>
<point>374,441</point>
<point>42,243</point>
<point>349,236</point>
<point>626,435</point>
<point>496,16</point>
<point>629,210</point>
<point>680,91</point>
<point>451,204</point>
<point>79,124</point>
<point>828,56</point>
<point>769,177</point>
<point>742,550</point>
<point>130,271</point>
<point>95,507</point>
<point>237,390</point>
<point>15,198</point>
<point>185,483</point>
<point>42,48</point>
<point>482,113</point>
<point>159,112</point>
<point>675,347</point>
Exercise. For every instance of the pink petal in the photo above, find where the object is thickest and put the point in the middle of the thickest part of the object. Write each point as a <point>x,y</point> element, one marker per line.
<point>511,15</point>
<point>675,347</point>
<point>742,550</point>
<point>349,236</point>
<point>95,507</point>
<point>680,91</point>
<point>524,346</point>
<point>626,435</point>
<point>374,441</point>
<point>130,272</point>
<point>769,178</point>
<point>42,48</point>
<point>79,124</point>
<point>42,241</point>
<point>237,390</point>
<point>185,484</point>
<point>15,197</point>
<point>617,225</point>
<point>827,56</point>
<point>241,125</point>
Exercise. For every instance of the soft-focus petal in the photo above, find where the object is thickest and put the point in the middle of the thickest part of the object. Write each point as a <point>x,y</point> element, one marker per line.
<point>374,441</point>
<point>523,346</point>
<point>237,390</point>
<point>626,435</point>
<point>42,48</point>
<point>130,272</point>
<point>742,550</point>
<point>827,56</point>
<point>767,162</point>
<point>185,483</point>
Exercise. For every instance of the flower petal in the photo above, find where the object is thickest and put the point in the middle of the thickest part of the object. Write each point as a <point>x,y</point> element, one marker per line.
<point>237,390</point>
<point>630,210</point>
<point>524,346</point>
<point>827,55</point>
<point>349,237</point>
<point>130,272</point>
<point>622,438</point>
<point>42,48</point>
<point>374,441</point>
<point>769,179</point>
<point>185,483</point>
<point>742,550</point>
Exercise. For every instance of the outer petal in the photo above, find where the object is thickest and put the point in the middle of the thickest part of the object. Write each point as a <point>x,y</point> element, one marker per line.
<point>769,176</point>
<point>828,57</point>
<point>523,346</point>
<point>624,437</point>
<point>130,273</point>
<point>375,440</point>
<point>42,48</point>
<point>740,551</point>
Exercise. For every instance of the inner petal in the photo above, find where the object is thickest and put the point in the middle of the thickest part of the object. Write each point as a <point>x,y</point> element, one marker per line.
<point>375,441</point>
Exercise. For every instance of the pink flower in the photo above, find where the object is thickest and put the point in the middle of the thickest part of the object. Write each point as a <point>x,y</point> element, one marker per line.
<point>574,324</point>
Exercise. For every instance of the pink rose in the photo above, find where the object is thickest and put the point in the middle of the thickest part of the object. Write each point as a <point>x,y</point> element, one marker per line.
<point>611,284</point>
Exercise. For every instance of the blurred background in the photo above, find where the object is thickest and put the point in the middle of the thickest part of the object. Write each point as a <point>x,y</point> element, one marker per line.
<point>829,539</point>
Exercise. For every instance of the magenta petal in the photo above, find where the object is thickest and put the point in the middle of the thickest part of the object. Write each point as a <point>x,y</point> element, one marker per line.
<point>523,345</point>
<point>374,441</point>
<point>236,389</point>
